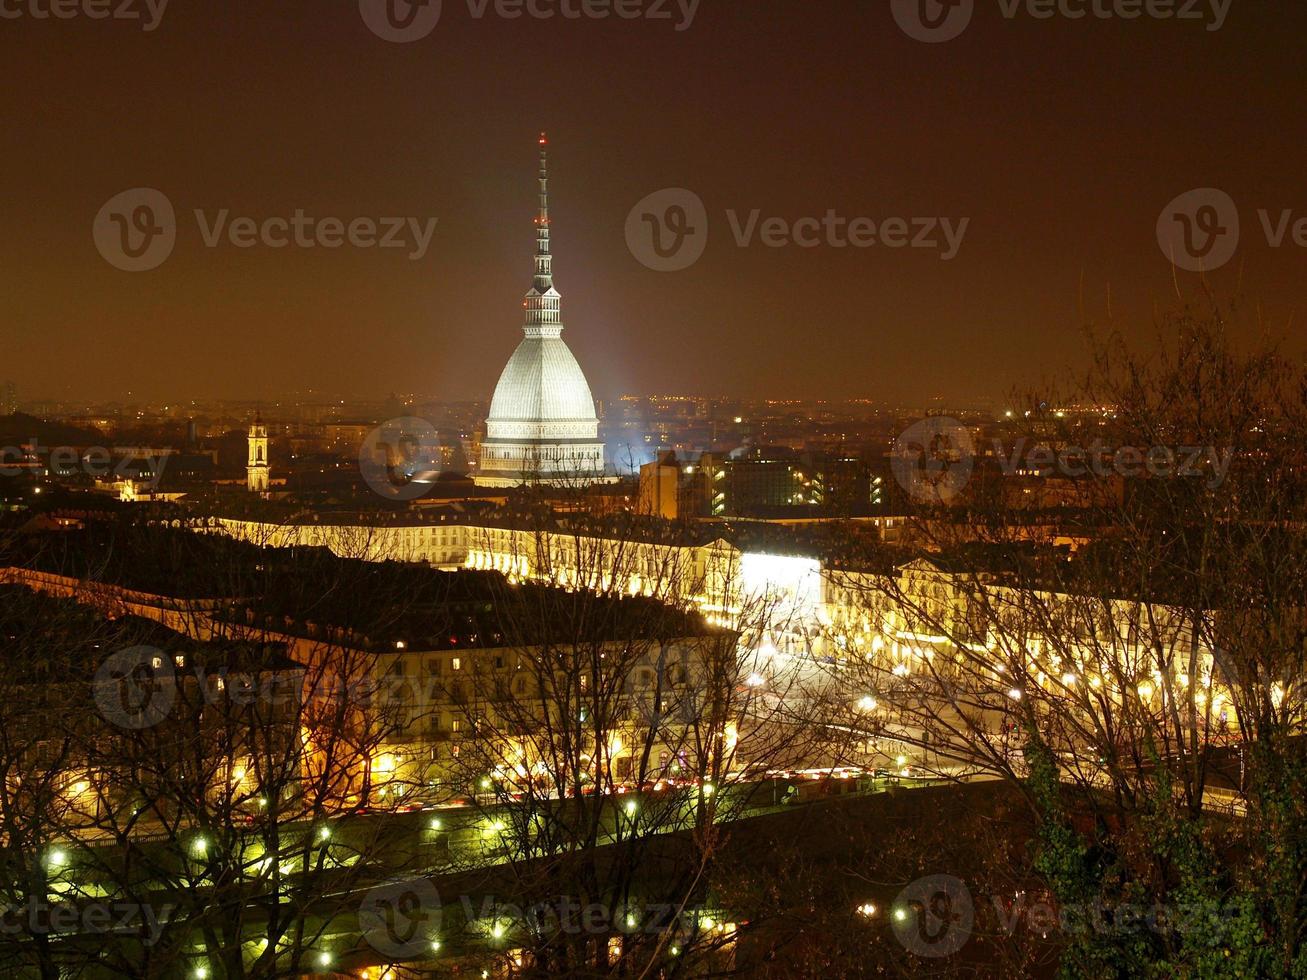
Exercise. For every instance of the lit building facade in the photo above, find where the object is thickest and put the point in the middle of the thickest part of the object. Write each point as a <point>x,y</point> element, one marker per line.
<point>815,610</point>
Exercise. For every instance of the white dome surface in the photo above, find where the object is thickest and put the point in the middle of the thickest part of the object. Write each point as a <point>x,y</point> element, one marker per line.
<point>543,383</point>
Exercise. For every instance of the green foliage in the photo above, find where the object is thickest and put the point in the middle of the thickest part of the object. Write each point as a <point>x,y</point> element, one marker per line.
<point>1200,920</point>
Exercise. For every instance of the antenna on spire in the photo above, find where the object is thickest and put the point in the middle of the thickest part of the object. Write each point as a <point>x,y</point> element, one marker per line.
<point>544,263</point>
<point>543,220</point>
<point>542,302</point>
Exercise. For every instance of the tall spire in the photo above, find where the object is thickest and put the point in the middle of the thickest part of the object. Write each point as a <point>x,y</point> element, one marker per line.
<point>543,306</point>
<point>544,261</point>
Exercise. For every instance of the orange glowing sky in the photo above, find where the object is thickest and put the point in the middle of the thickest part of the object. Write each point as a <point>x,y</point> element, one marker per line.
<point>1059,140</point>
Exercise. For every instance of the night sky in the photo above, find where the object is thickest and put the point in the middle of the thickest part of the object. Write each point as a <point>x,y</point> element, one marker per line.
<point>1060,140</point>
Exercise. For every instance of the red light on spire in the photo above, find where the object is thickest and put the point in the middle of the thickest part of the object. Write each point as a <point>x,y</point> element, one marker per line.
<point>544,139</point>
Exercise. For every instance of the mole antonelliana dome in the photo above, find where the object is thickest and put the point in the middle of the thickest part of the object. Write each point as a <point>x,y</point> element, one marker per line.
<point>542,426</point>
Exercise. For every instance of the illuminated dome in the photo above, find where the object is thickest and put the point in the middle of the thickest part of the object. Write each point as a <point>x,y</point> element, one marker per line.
<point>542,427</point>
<point>542,382</point>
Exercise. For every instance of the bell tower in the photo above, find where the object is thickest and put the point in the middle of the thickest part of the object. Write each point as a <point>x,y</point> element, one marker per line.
<point>256,470</point>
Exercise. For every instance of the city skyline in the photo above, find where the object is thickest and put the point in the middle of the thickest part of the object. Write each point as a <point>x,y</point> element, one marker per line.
<point>653,488</point>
